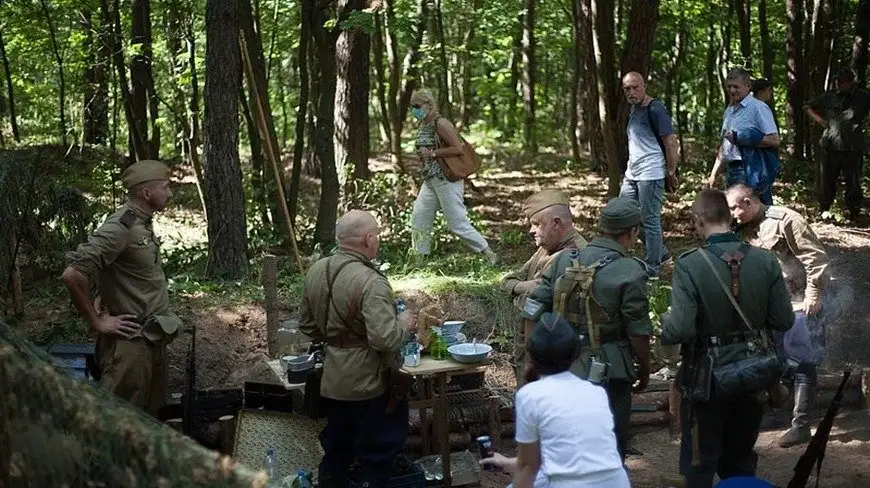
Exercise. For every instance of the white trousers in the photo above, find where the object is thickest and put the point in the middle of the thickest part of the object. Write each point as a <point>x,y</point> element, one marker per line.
<point>448,196</point>
<point>616,478</point>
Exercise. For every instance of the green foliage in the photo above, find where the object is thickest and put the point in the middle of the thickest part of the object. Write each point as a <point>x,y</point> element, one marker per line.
<point>659,302</point>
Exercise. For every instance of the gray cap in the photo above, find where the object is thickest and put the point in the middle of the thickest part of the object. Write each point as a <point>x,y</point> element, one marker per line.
<point>620,214</point>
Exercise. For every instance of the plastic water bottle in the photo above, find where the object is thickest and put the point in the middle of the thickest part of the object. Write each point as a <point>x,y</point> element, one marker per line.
<point>401,306</point>
<point>301,480</point>
<point>271,464</point>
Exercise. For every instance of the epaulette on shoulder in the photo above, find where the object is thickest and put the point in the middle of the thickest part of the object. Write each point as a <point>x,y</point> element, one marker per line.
<point>777,213</point>
<point>129,218</point>
<point>690,251</point>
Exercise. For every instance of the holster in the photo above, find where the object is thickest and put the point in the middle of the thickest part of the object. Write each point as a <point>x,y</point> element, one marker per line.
<point>399,386</point>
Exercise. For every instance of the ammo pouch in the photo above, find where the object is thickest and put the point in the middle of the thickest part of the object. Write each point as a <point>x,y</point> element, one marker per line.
<point>161,329</point>
<point>761,368</point>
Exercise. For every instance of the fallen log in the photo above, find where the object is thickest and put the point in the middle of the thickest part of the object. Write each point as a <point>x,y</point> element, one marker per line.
<point>659,399</point>
<point>645,419</point>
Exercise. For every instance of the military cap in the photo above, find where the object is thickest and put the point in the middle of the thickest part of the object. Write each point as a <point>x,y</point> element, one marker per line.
<point>543,199</point>
<point>619,214</point>
<point>142,171</point>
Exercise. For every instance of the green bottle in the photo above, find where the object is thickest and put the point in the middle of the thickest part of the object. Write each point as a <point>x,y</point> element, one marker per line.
<point>439,348</point>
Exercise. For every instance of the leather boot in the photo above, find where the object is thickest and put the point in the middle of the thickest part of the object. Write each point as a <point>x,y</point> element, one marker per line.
<point>799,433</point>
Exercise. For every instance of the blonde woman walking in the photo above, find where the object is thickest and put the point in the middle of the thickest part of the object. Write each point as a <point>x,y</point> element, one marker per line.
<point>436,139</point>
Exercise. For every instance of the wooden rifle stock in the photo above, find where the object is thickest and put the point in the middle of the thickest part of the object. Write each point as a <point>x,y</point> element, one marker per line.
<point>815,452</point>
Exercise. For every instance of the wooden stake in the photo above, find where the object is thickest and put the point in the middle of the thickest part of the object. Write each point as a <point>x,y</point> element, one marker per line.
<point>270,290</point>
<point>265,136</point>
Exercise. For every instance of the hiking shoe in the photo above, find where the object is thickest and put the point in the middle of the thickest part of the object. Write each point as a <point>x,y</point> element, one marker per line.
<point>491,256</point>
<point>795,436</point>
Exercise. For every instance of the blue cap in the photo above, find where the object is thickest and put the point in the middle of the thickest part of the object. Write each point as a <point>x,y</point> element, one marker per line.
<point>744,482</point>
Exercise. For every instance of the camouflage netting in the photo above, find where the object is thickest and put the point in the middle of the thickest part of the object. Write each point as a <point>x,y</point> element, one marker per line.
<point>56,431</point>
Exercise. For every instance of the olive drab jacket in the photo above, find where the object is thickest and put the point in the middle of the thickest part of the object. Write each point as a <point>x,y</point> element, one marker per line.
<point>621,303</point>
<point>123,255</point>
<point>801,255</point>
<point>360,326</point>
<point>700,308</point>
<point>537,264</point>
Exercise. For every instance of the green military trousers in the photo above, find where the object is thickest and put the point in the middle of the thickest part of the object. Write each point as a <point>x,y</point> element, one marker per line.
<point>134,370</point>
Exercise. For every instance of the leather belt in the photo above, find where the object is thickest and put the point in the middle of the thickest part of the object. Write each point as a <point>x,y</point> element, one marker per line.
<point>347,342</point>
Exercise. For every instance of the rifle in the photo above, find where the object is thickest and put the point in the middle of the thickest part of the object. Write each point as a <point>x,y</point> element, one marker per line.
<point>815,452</point>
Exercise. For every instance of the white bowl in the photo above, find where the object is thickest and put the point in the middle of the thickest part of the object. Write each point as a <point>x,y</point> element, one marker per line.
<point>469,353</point>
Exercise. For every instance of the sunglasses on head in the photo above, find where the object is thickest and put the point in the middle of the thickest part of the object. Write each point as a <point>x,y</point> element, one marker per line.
<point>417,105</point>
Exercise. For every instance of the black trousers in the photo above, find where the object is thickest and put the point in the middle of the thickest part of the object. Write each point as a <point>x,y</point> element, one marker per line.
<point>719,438</point>
<point>364,433</point>
<point>619,395</point>
<point>850,165</point>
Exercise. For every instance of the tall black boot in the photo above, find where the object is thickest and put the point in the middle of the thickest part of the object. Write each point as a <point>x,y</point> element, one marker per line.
<point>799,433</point>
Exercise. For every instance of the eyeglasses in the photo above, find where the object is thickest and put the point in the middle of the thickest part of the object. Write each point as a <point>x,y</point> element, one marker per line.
<point>417,105</point>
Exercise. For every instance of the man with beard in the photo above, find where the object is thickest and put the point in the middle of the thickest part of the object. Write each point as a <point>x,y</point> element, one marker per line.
<point>135,325</point>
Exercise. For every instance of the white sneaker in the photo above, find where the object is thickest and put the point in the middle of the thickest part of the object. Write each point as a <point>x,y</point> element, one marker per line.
<point>493,257</point>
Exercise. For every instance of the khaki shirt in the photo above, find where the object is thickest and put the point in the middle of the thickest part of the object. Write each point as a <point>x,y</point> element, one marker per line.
<point>801,255</point>
<point>353,373</point>
<point>537,264</point>
<point>124,255</point>
<point>700,308</point>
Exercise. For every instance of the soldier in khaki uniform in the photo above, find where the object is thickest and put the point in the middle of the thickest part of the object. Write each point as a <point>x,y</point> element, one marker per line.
<point>123,255</point>
<point>552,226</point>
<point>718,435</point>
<point>804,261</point>
<point>349,304</point>
<point>619,329</point>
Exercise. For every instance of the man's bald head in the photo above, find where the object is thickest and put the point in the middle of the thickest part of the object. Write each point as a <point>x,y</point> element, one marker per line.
<point>551,226</point>
<point>634,87</point>
<point>743,202</point>
<point>358,231</point>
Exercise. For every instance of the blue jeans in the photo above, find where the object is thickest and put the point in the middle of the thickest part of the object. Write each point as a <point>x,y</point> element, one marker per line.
<point>736,173</point>
<point>650,194</point>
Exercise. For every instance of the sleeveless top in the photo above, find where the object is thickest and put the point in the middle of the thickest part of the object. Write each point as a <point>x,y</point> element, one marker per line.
<point>428,138</point>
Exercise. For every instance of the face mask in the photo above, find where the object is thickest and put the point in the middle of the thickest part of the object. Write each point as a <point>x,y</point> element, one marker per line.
<point>418,113</point>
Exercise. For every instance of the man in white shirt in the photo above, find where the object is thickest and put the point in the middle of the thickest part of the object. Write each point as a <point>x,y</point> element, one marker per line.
<point>564,428</point>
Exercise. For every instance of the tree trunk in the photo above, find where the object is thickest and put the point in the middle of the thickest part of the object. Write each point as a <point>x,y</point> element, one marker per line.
<point>378,48</point>
<point>444,104</point>
<point>467,68</point>
<point>138,151</point>
<point>409,74</point>
<point>604,44</point>
<point>324,42</point>
<point>742,8</point>
<point>637,56</point>
<point>305,9</point>
<point>530,140</point>
<point>141,77</point>
<point>60,70</point>
<point>258,187</point>
<point>578,56</point>
<point>822,36</point>
<point>193,131</point>
<point>795,69</point>
<point>351,138</point>
<point>227,236</point>
<point>514,79</point>
<point>591,95</point>
<point>859,46</point>
<point>10,95</point>
<point>712,81</point>
<point>95,119</point>
<point>766,44</point>
<point>254,45</point>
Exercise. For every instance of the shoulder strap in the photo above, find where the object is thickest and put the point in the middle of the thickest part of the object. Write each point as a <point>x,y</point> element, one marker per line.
<point>354,299</point>
<point>734,261</point>
<point>654,126</point>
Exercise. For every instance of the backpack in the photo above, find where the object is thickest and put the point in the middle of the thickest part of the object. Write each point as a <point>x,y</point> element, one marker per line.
<point>572,297</point>
<point>462,166</point>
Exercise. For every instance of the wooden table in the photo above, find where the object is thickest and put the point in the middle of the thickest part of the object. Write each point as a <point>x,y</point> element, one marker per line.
<point>439,370</point>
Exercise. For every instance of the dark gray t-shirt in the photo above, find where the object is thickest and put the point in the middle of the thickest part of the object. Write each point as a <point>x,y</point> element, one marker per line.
<point>646,160</point>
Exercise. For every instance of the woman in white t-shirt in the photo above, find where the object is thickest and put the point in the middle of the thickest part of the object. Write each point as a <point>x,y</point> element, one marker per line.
<point>564,428</point>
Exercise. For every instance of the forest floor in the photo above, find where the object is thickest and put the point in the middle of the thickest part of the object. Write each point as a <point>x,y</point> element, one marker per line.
<point>230,317</point>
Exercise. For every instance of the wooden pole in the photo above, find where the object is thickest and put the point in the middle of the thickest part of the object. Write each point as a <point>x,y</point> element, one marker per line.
<point>270,290</point>
<point>265,136</point>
